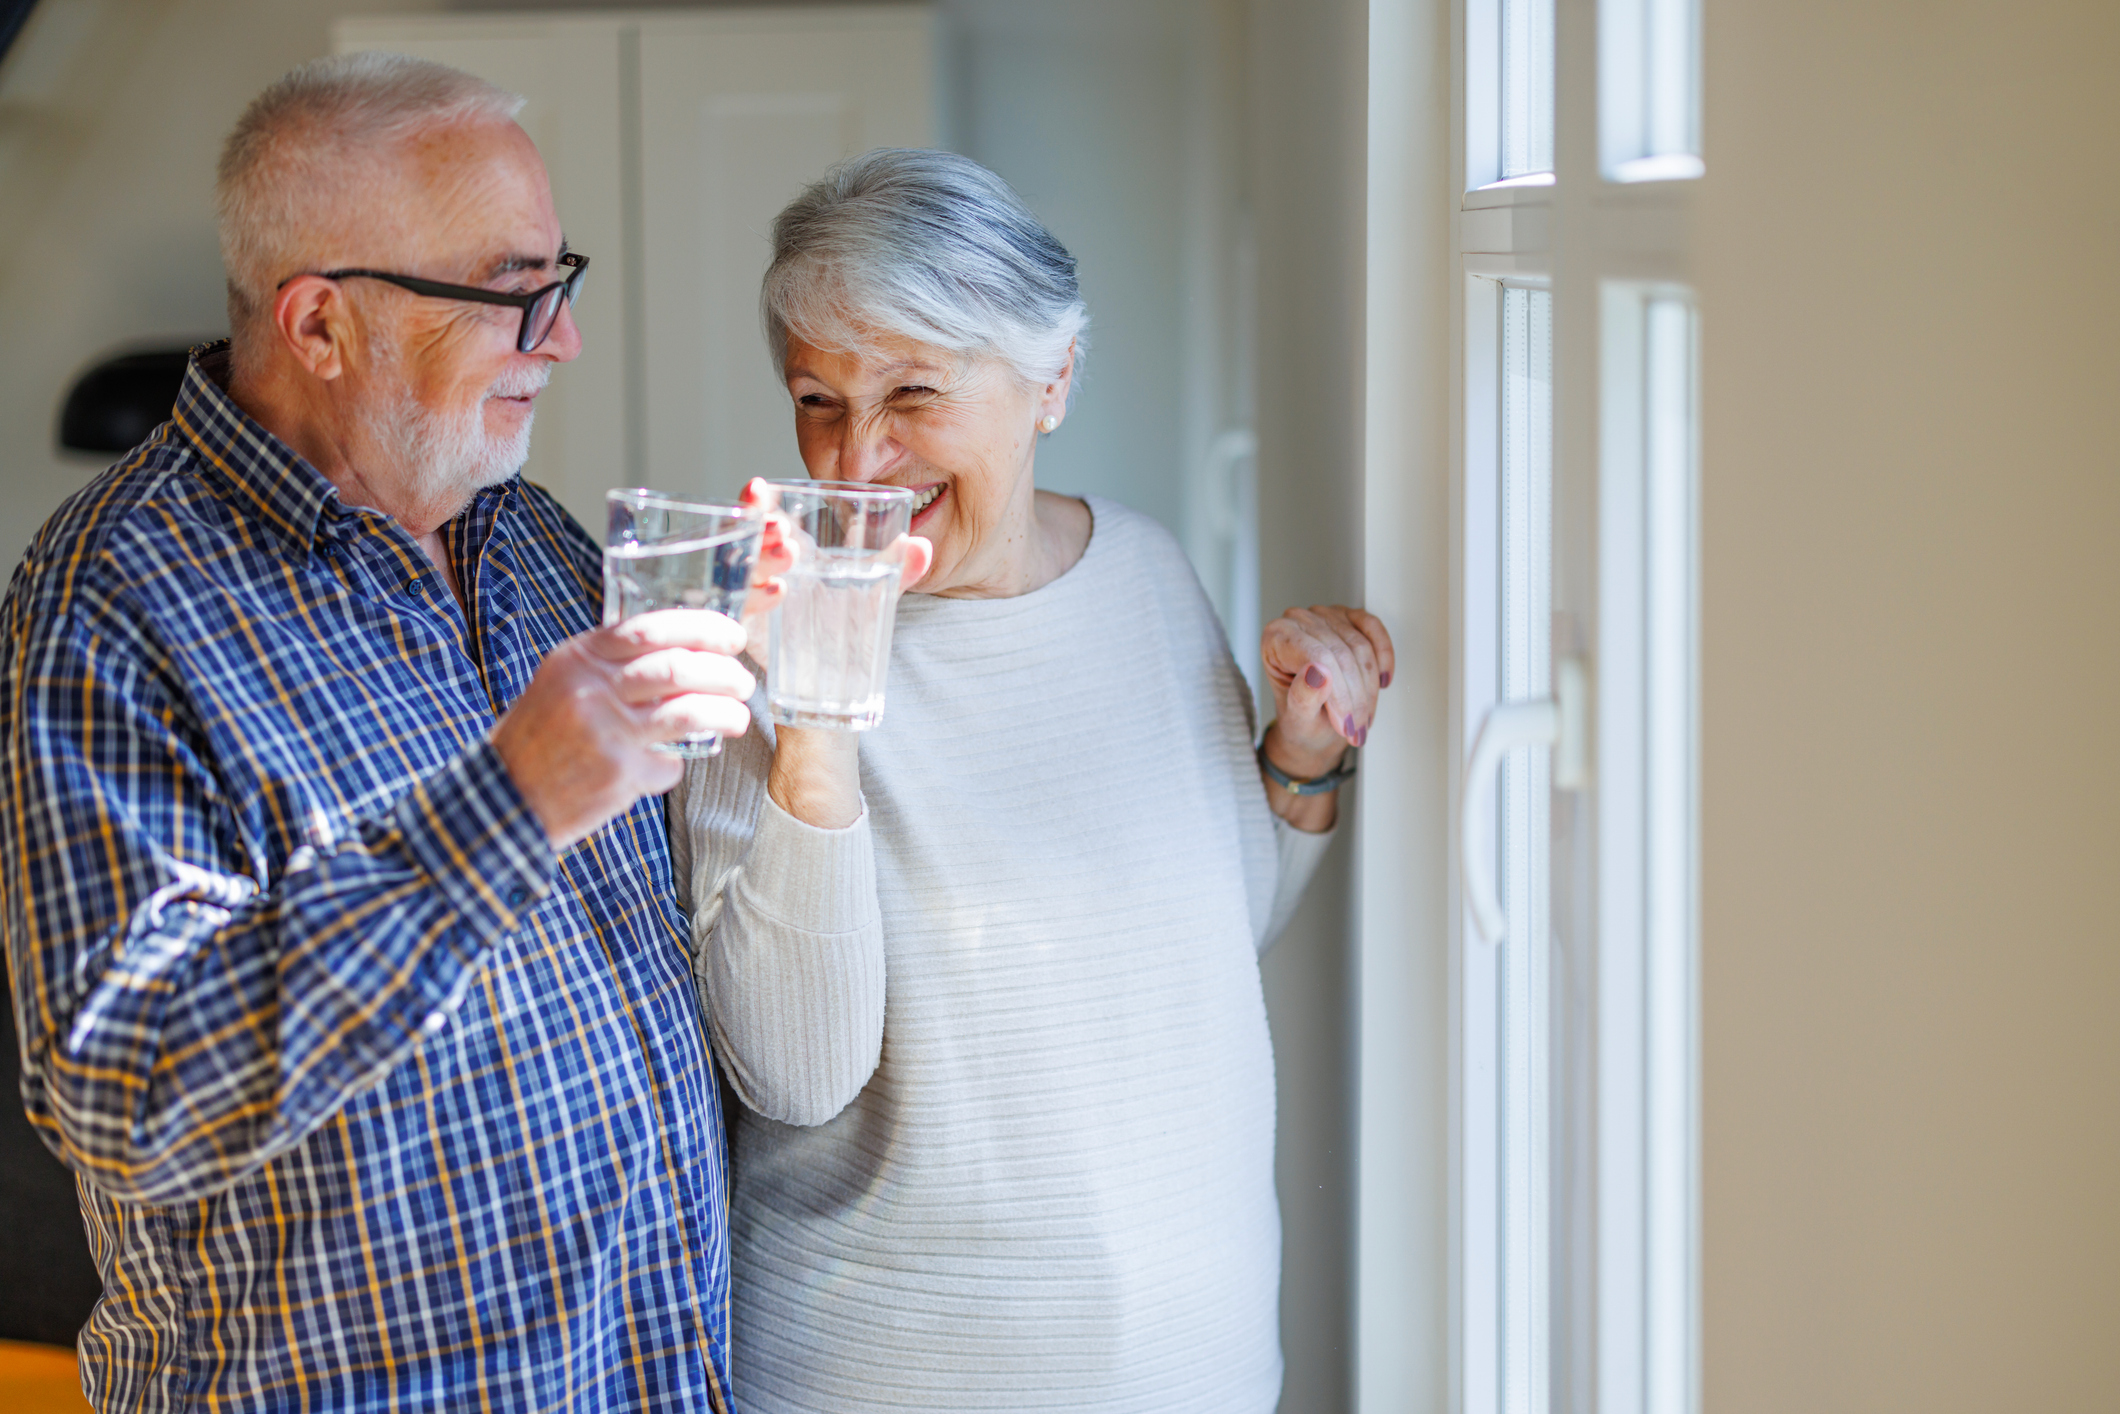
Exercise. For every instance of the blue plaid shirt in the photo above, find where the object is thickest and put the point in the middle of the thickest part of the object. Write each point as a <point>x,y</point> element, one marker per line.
<point>374,1103</point>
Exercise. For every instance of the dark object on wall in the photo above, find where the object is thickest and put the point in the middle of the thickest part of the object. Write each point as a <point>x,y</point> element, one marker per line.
<point>48,1282</point>
<point>13,15</point>
<point>119,401</point>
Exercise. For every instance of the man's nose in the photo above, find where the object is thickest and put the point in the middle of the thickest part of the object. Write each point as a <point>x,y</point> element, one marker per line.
<point>564,343</point>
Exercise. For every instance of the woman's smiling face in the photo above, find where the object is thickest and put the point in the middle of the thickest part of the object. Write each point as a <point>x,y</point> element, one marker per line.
<point>959,432</point>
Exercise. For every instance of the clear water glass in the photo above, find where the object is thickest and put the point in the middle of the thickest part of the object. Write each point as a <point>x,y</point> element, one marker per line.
<point>664,553</point>
<point>831,641</point>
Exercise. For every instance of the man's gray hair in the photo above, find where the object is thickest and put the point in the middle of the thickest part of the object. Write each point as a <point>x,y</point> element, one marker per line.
<point>296,173</point>
<point>930,246</point>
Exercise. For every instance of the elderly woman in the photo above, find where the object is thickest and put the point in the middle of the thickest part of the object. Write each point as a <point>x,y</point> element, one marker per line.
<point>986,977</point>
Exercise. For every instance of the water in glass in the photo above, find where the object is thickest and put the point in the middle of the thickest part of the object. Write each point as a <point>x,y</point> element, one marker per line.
<point>713,572</point>
<point>832,640</point>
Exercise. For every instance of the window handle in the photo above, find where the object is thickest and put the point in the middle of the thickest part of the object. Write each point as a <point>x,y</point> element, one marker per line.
<point>1559,722</point>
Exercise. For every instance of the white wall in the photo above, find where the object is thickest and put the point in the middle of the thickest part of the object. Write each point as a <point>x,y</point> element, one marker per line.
<point>1308,88</point>
<point>1402,973</point>
<point>1079,106</point>
<point>1121,122</point>
<point>1911,783</point>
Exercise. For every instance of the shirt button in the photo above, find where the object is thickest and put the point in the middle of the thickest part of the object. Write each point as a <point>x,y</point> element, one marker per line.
<point>435,1021</point>
<point>517,895</point>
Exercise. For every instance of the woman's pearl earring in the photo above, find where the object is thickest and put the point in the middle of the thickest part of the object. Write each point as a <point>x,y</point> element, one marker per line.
<point>1047,424</point>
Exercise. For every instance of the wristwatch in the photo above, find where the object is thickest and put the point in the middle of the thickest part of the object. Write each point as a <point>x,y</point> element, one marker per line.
<point>1316,785</point>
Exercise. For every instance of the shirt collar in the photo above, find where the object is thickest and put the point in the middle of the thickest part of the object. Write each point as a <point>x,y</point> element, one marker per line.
<point>285,492</point>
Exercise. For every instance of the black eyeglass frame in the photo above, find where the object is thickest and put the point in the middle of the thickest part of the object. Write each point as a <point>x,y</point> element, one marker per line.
<point>525,341</point>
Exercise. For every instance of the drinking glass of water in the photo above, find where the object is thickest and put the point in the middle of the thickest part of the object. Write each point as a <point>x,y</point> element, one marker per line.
<point>663,553</point>
<point>832,628</point>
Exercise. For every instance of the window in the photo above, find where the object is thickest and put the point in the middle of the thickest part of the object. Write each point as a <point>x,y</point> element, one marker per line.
<point>1509,75</point>
<point>1650,89</point>
<point>1576,1132</point>
<point>1647,1126</point>
<point>1506,1165</point>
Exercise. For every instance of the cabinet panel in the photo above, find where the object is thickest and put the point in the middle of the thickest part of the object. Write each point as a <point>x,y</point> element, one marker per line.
<point>739,111</point>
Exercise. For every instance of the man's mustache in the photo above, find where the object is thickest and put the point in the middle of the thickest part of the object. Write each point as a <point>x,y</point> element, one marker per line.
<point>521,383</point>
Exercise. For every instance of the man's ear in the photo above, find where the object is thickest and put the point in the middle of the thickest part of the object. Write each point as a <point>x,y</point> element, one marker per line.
<point>312,319</point>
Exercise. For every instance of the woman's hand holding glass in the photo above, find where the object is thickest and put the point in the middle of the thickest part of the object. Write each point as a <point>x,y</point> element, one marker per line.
<point>1326,665</point>
<point>816,774</point>
<point>776,556</point>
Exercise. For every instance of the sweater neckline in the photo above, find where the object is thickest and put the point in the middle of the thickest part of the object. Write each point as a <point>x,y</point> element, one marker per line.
<point>1058,587</point>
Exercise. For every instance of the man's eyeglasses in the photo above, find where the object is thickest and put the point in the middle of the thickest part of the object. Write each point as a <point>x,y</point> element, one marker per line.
<point>540,307</point>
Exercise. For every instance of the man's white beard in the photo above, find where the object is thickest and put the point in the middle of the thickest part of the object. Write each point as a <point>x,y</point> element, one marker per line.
<point>449,456</point>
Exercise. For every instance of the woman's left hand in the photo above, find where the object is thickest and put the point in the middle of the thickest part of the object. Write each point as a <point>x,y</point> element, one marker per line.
<point>1326,665</point>
<point>776,554</point>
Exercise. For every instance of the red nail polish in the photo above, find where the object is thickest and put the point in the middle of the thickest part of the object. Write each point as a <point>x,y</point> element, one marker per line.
<point>1312,676</point>
<point>1384,681</point>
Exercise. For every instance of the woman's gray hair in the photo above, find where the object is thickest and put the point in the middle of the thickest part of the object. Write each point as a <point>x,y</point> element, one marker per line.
<point>930,246</point>
<point>298,175</point>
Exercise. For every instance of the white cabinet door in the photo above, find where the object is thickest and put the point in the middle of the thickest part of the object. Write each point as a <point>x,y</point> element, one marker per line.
<point>568,68</point>
<point>739,111</point>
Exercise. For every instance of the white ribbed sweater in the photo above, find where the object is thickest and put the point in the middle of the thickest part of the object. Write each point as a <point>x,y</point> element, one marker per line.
<point>1009,1142</point>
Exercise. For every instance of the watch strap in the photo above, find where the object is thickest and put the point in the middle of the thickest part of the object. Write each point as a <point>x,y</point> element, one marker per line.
<point>1316,785</point>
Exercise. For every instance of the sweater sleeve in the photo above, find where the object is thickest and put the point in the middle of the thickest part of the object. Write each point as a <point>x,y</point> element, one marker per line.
<point>787,942</point>
<point>1296,856</point>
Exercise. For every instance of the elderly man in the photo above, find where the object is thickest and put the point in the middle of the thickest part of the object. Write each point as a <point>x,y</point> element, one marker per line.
<point>347,969</point>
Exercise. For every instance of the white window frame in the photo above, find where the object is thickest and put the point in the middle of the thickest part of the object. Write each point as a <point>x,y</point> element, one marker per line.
<point>1613,246</point>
